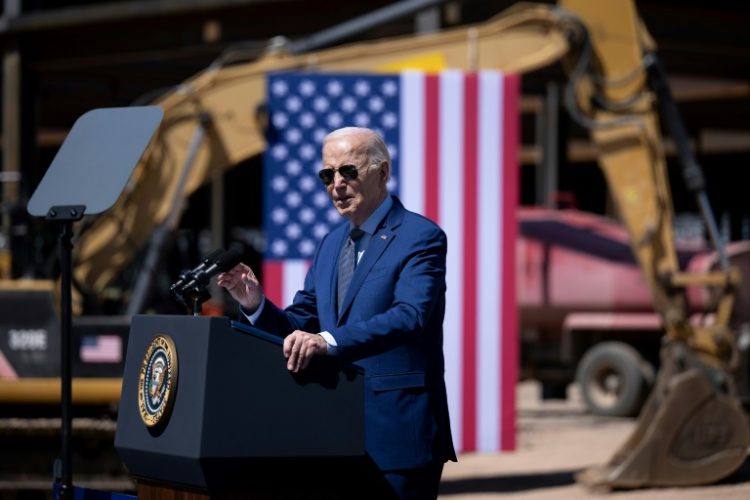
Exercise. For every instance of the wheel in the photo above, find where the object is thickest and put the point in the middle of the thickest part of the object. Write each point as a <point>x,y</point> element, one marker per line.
<point>614,380</point>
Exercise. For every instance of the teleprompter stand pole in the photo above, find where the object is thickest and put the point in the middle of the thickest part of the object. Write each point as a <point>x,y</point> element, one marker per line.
<point>66,215</point>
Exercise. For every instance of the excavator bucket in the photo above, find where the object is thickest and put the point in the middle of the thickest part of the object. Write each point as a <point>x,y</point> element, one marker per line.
<point>691,431</point>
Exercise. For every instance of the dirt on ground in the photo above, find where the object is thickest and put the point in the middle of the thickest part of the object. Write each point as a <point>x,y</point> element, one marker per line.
<point>556,439</point>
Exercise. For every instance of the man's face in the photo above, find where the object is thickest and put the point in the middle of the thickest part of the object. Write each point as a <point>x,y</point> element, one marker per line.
<point>357,198</point>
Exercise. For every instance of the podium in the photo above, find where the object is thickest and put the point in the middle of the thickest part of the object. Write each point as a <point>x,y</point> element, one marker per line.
<point>234,422</point>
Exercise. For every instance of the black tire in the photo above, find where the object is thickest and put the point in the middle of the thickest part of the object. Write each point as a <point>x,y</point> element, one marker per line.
<point>614,380</point>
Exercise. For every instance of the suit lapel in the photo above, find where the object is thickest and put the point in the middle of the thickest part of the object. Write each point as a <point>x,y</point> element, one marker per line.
<point>378,244</point>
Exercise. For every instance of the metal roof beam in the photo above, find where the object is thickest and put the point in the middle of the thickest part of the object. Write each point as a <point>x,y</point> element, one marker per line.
<point>114,11</point>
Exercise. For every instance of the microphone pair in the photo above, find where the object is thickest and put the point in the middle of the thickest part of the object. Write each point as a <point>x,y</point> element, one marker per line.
<point>195,280</point>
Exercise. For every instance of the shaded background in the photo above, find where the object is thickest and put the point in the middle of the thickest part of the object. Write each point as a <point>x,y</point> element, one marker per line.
<point>63,58</point>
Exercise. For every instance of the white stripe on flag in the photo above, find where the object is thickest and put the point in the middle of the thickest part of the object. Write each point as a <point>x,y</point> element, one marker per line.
<point>490,254</point>
<point>411,149</point>
<point>294,279</point>
<point>451,215</point>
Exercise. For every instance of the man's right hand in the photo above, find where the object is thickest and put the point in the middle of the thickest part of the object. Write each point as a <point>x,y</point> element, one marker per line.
<point>243,286</point>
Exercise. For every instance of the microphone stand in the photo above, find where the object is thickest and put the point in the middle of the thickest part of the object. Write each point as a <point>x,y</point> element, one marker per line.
<point>198,299</point>
<point>192,298</point>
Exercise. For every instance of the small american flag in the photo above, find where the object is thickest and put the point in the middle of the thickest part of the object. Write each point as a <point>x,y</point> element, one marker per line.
<point>101,349</point>
<point>453,139</point>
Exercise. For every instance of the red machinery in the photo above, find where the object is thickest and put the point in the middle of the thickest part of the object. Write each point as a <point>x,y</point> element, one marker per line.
<point>587,312</point>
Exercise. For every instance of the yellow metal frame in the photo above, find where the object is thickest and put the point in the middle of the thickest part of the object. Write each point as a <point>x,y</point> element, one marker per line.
<point>86,391</point>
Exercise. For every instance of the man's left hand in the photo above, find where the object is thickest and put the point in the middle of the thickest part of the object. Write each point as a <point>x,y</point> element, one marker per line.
<point>300,347</point>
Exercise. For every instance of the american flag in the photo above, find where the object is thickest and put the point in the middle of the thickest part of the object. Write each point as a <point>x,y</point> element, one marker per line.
<point>101,349</point>
<point>453,139</point>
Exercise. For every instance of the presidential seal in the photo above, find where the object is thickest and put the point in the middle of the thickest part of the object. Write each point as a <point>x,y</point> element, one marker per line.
<point>158,380</point>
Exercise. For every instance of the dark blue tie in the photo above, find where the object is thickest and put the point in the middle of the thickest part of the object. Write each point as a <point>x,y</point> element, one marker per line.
<point>347,263</point>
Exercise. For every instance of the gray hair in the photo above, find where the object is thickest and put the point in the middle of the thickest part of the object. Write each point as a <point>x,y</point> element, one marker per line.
<point>377,151</point>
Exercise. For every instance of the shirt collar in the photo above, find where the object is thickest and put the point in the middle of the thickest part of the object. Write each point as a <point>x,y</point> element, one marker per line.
<point>373,221</point>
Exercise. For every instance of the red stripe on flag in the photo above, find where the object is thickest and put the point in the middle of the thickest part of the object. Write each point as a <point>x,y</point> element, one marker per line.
<point>273,281</point>
<point>432,147</point>
<point>470,258</point>
<point>508,314</point>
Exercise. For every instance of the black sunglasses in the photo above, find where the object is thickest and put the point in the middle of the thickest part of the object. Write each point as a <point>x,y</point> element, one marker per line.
<point>348,172</point>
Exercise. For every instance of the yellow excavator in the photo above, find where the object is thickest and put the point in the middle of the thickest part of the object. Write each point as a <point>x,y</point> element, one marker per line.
<point>693,429</point>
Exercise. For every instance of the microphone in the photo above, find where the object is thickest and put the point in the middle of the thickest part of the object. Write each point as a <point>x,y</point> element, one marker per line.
<point>224,262</point>
<point>187,276</point>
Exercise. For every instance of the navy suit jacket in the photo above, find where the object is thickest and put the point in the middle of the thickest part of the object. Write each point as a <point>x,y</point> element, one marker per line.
<point>391,325</point>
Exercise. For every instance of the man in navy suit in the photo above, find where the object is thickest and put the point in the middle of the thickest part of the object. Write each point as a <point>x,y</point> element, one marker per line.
<point>374,296</point>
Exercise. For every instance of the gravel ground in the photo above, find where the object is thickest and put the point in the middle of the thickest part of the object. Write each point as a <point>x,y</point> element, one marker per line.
<point>556,439</point>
